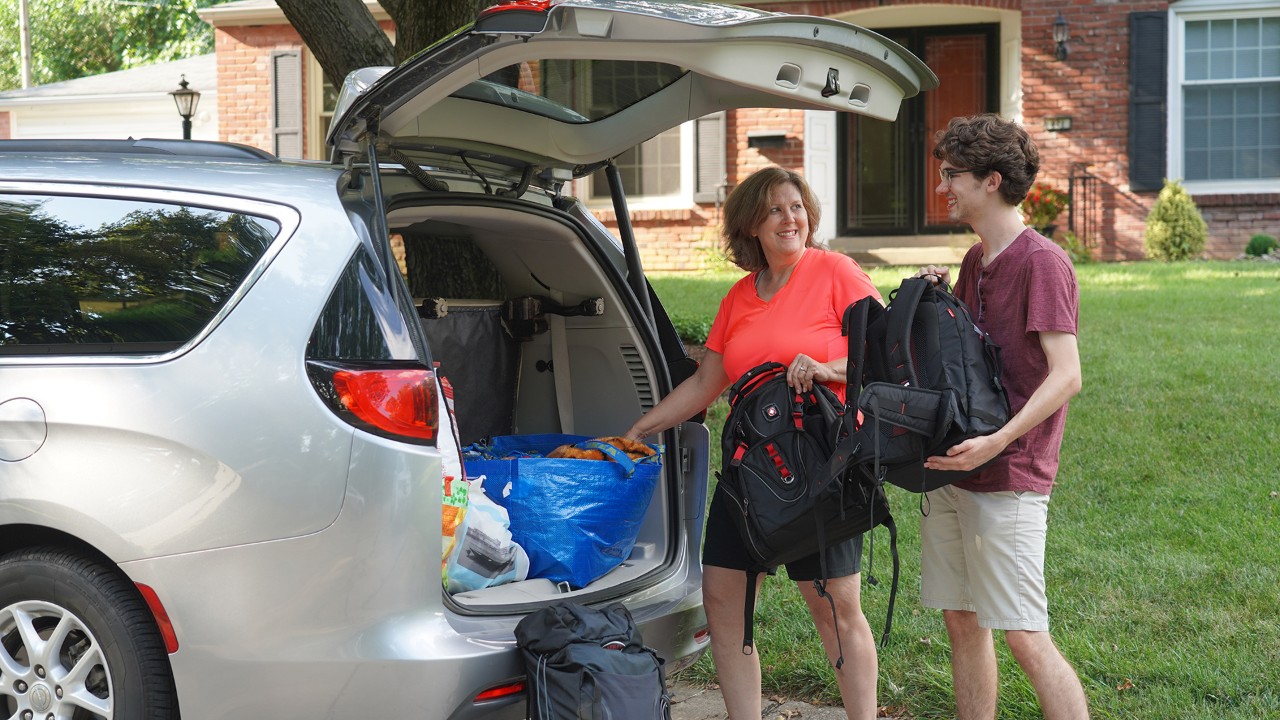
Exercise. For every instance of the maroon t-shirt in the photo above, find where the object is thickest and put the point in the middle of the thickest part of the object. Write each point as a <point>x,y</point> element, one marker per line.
<point>1029,288</point>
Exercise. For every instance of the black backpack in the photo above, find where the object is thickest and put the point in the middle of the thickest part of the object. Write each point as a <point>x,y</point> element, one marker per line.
<point>788,498</point>
<point>589,664</point>
<point>929,379</point>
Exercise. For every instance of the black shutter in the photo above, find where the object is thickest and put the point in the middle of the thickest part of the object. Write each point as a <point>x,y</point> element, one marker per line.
<point>1148,90</point>
<point>286,103</point>
<point>710,148</point>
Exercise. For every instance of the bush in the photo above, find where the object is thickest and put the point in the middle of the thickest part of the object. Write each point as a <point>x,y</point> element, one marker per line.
<point>1175,229</point>
<point>1260,245</point>
<point>1075,247</point>
<point>691,329</point>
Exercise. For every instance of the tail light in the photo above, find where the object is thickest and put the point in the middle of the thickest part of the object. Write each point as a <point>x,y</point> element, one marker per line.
<point>398,402</point>
<point>499,692</point>
<point>514,16</point>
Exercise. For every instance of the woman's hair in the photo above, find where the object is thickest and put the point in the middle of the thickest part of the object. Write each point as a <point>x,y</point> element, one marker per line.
<point>988,143</point>
<point>748,205</point>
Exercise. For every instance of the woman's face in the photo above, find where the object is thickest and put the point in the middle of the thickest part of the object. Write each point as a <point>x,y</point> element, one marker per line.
<point>785,228</point>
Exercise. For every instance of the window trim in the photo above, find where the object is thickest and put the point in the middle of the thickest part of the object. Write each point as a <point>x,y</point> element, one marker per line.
<point>1179,15</point>
<point>288,218</point>
<point>635,201</point>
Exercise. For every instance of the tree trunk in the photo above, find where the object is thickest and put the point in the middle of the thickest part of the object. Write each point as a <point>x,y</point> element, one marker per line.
<point>420,24</point>
<point>342,34</point>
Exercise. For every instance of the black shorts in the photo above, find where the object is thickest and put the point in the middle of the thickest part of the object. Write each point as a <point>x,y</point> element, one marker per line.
<point>723,547</point>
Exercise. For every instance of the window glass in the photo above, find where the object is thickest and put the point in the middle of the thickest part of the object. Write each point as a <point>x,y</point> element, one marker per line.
<point>349,328</point>
<point>650,168</point>
<point>1230,94</point>
<point>575,91</point>
<point>95,275</point>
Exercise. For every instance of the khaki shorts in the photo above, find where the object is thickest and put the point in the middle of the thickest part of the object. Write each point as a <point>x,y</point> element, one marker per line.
<point>984,553</point>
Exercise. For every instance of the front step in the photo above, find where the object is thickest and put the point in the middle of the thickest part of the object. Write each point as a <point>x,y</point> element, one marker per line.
<point>908,250</point>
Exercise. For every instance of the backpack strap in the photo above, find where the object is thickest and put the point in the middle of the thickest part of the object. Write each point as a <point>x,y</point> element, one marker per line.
<point>749,612</point>
<point>897,335</point>
<point>857,318</point>
<point>893,584</point>
<point>752,379</point>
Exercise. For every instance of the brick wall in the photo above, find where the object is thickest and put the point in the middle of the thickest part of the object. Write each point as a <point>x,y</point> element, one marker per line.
<point>244,80</point>
<point>1091,86</point>
<point>1233,219</point>
<point>6,129</point>
<point>688,238</point>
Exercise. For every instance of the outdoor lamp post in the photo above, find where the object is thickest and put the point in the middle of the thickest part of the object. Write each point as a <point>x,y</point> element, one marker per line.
<point>1060,37</point>
<point>186,99</point>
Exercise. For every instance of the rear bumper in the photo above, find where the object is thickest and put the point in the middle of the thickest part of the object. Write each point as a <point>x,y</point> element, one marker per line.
<point>351,622</point>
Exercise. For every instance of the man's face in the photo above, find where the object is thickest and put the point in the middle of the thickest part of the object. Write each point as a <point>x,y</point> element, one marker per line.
<point>962,190</point>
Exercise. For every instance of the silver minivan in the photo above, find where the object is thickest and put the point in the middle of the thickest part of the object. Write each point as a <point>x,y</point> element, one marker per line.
<point>220,415</point>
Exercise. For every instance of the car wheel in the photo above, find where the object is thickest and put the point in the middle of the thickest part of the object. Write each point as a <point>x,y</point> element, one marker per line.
<point>77,642</point>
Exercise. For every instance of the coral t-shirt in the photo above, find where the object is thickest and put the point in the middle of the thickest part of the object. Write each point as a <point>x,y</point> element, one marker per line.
<point>803,317</point>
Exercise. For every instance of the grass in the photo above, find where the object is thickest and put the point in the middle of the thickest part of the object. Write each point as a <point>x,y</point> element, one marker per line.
<point>1164,544</point>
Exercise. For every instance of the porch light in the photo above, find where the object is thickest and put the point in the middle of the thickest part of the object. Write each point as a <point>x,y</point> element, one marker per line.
<point>186,99</point>
<point>1060,37</point>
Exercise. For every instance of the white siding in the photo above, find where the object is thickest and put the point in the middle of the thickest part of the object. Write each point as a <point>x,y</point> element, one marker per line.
<point>112,118</point>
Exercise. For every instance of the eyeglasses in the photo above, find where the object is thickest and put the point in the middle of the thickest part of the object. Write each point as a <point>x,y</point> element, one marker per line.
<point>946,175</point>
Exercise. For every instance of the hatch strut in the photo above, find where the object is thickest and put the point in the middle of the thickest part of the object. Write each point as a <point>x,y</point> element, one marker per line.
<point>635,278</point>
<point>381,232</point>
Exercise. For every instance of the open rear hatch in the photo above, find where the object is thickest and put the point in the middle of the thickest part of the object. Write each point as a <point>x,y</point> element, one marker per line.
<point>488,125</point>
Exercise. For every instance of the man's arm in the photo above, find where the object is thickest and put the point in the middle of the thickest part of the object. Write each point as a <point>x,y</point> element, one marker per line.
<point>1059,386</point>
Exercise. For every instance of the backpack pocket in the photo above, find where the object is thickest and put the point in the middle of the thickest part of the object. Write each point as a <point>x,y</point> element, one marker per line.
<point>627,697</point>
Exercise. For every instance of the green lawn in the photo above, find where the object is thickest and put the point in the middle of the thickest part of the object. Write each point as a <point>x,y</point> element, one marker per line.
<point>1164,542</point>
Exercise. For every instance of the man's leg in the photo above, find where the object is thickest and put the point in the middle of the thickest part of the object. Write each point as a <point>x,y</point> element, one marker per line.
<point>1057,685</point>
<point>973,666</point>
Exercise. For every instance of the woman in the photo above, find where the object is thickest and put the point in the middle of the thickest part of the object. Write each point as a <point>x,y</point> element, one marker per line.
<point>787,309</point>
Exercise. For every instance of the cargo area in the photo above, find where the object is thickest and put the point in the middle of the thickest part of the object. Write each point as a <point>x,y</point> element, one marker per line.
<point>529,320</point>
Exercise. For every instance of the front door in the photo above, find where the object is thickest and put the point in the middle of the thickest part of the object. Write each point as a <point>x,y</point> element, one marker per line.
<point>889,171</point>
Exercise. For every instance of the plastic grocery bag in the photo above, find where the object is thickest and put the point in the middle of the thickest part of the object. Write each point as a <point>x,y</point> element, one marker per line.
<point>577,519</point>
<point>454,503</point>
<point>484,554</point>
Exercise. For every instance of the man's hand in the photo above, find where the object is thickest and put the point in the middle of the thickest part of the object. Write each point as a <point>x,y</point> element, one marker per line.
<point>967,455</point>
<point>936,274</point>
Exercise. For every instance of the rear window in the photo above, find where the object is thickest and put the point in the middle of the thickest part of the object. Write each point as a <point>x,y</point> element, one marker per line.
<point>83,275</point>
<point>576,91</point>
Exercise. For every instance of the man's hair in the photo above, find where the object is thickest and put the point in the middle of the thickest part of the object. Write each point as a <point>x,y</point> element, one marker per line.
<point>987,143</point>
<point>748,205</point>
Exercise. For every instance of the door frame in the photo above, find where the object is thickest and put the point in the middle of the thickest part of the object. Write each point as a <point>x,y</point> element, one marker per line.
<point>913,114</point>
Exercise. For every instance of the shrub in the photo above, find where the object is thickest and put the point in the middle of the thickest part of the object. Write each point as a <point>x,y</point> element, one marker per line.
<point>1075,247</point>
<point>1260,245</point>
<point>691,329</point>
<point>1175,229</point>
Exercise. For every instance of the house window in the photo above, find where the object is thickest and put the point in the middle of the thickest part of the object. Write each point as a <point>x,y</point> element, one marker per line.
<point>322,98</point>
<point>654,173</point>
<point>1225,107</point>
<point>651,170</point>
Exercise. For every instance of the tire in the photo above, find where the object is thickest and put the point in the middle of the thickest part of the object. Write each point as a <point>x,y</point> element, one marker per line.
<point>77,641</point>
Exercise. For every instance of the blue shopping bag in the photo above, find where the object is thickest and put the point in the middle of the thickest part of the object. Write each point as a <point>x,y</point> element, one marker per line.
<point>576,519</point>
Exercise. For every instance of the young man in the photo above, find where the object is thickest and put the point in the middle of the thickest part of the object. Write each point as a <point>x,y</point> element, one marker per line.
<point>983,539</point>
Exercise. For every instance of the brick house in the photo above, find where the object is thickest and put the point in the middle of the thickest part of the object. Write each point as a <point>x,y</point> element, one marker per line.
<point>1147,89</point>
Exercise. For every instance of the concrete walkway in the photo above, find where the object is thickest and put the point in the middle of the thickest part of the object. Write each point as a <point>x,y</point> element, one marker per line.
<point>694,702</point>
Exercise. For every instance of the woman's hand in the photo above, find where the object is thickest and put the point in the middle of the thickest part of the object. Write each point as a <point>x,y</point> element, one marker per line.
<point>935,274</point>
<point>804,371</point>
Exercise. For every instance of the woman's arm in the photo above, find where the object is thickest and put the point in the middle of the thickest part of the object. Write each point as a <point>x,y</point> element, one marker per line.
<point>687,399</point>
